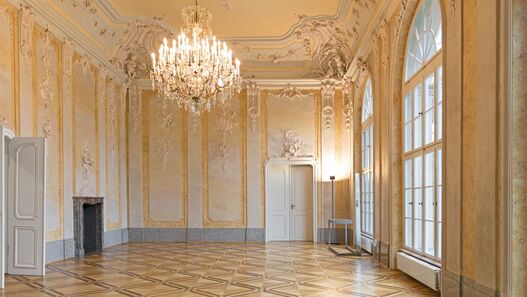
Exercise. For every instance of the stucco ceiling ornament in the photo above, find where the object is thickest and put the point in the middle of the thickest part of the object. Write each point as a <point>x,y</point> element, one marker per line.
<point>253,103</point>
<point>362,68</point>
<point>27,21</point>
<point>328,97</point>
<point>332,62</point>
<point>226,123</point>
<point>46,87</point>
<point>140,38</point>
<point>291,145</point>
<point>399,18</point>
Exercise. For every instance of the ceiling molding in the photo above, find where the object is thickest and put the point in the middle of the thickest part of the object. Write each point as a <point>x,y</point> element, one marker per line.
<point>341,13</point>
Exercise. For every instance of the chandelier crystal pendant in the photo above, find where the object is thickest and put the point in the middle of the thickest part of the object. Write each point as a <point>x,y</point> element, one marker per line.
<point>197,70</point>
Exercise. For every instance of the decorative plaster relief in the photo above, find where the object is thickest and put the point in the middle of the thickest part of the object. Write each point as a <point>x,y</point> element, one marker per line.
<point>46,88</point>
<point>87,165</point>
<point>347,93</point>
<point>291,92</point>
<point>84,62</point>
<point>328,98</point>
<point>27,21</point>
<point>253,108</point>
<point>135,107</point>
<point>227,122</point>
<point>292,146</point>
<point>167,121</point>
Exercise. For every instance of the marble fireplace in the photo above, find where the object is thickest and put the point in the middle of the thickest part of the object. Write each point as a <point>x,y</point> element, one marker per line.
<point>88,225</point>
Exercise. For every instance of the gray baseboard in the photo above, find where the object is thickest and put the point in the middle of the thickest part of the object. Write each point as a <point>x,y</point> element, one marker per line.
<point>454,285</point>
<point>196,235</point>
<point>65,248</point>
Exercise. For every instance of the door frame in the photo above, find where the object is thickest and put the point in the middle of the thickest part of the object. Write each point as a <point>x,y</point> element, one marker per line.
<point>300,161</point>
<point>4,132</point>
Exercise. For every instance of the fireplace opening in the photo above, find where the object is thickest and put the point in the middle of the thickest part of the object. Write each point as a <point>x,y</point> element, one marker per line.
<point>88,225</point>
<point>90,228</point>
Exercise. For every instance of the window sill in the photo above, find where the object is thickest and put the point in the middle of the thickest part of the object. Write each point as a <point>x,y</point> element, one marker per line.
<point>422,258</point>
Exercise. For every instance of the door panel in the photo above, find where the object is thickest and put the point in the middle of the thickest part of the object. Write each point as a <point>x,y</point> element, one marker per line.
<point>25,215</point>
<point>301,203</point>
<point>279,203</point>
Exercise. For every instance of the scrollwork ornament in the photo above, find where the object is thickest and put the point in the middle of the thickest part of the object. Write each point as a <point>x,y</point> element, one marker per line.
<point>166,123</point>
<point>46,88</point>
<point>227,122</point>
<point>291,145</point>
<point>253,109</point>
<point>328,97</point>
<point>27,21</point>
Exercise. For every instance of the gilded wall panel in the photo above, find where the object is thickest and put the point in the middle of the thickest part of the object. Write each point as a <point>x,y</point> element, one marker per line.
<point>8,79</point>
<point>224,165</point>
<point>48,123</point>
<point>113,156</point>
<point>164,163</point>
<point>85,130</point>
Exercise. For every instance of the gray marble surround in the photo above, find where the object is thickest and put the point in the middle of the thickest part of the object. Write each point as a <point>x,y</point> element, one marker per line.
<point>65,248</point>
<point>78,223</point>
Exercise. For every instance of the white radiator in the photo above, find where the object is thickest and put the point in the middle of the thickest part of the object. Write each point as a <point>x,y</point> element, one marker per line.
<point>426,273</point>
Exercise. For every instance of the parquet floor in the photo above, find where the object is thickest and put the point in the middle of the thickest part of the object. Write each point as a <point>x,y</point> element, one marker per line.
<point>216,269</point>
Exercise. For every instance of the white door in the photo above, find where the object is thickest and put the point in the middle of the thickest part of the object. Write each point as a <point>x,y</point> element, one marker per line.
<point>279,203</point>
<point>25,206</point>
<point>301,219</point>
<point>290,203</point>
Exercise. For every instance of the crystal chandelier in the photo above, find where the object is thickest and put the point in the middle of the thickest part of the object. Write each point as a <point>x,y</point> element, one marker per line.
<point>197,70</point>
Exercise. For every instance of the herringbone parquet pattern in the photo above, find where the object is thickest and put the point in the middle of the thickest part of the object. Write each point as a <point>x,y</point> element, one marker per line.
<point>216,269</point>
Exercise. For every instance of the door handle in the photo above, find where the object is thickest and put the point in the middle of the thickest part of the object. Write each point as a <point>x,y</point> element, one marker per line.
<point>292,206</point>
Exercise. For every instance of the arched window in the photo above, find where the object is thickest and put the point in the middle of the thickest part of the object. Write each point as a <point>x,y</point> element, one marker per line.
<point>422,134</point>
<point>367,162</point>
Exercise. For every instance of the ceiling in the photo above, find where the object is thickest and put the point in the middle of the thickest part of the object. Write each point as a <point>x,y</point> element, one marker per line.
<point>233,18</point>
<point>274,39</point>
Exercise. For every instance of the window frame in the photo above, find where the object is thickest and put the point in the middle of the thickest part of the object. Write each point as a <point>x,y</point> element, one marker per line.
<point>367,128</point>
<point>429,68</point>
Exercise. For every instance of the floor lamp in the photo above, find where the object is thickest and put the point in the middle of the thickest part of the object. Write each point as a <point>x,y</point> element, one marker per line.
<point>332,178</point>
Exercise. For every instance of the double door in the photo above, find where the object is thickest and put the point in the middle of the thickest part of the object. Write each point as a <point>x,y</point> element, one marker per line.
<point>290,203</point>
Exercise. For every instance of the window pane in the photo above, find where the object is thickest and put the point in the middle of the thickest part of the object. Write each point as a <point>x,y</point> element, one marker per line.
<point>418,238</point>
<point>418,106</point>
<point>429,238</point>
<point>408,203</point>
<point>408,107</point>
<point>408,174</point>
<point>439,167</point>
<point>429,203</point>
<point>429,92</point>
<point>429,169</point>
<point>429,126</point>
<point>408,137</point>
<point>425,37</point>
<point>440,121</point>
<point>439,240</point>
<point>439,84</point>
<point>418,203</point>
<point>439,199</point>
<point>367,102</point>
<point>418,169</point>
<point>418,132</point>
<point>408,233</point>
